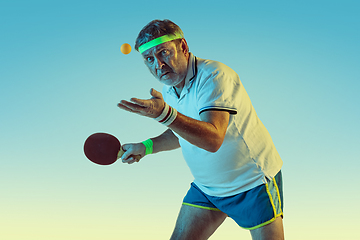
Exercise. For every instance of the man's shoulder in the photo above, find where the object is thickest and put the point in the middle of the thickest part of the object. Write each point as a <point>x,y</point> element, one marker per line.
<point>208,66</point>
<point>216,71</point>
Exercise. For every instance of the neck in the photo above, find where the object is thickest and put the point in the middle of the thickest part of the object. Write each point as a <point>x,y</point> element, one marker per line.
<point>178,88</point>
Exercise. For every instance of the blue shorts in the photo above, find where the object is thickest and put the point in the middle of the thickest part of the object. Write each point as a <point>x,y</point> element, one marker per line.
<point>250,210</point>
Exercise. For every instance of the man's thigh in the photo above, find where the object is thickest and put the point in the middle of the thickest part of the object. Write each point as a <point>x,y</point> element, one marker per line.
<point>197,223</point>
<point>272,231</point>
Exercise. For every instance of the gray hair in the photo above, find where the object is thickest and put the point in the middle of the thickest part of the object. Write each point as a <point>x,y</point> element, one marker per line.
<point>155,29</point>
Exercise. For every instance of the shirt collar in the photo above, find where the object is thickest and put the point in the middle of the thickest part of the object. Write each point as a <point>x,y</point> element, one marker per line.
<point>192,69</point>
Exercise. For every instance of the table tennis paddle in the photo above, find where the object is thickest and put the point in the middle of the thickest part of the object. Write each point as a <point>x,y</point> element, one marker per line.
<point>104,149</point>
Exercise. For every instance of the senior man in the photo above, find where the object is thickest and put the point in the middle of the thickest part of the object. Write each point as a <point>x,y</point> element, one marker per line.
<point>236,167</point>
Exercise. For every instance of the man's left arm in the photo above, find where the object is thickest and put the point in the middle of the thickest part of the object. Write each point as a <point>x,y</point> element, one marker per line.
<point>207,134</point>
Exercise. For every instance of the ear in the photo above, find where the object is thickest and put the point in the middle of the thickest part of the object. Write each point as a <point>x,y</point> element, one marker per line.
<point>184,47</point>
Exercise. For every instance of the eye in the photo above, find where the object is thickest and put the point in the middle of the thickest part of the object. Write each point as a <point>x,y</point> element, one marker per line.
<point>149,59</point>
<point>164,52</point>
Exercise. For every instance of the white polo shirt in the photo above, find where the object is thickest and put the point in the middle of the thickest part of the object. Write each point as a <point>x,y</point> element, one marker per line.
<point>247,158</point>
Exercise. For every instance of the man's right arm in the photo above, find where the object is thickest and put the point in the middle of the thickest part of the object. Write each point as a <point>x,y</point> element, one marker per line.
<point>165,142</point>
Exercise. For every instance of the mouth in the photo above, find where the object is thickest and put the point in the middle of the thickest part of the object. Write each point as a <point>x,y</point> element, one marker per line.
<point>164,74</point>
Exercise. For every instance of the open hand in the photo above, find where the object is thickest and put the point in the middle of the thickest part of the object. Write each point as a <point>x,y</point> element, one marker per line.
<point>152,107</point>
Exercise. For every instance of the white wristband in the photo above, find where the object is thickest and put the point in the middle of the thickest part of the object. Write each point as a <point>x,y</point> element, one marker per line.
<point>167,116</point>
<point>163,114</point>
<point>171,118</point>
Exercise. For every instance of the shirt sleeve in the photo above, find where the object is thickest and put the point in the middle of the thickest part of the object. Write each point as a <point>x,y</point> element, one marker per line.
<point>218,92</point>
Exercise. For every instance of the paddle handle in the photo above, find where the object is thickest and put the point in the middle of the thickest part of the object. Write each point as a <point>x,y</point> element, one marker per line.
<point>121,152</point>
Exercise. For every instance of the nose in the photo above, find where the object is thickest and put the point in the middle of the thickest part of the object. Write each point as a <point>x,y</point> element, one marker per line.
<point>158,63</point>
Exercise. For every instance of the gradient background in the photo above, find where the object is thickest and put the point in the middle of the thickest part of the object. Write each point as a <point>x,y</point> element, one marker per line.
<point>62,74</point>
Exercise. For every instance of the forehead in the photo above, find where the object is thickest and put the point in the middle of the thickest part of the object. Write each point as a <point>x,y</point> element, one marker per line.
<point>153,50</point>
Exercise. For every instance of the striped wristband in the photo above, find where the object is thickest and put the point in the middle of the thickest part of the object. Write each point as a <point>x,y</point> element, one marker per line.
<point>167,116</point>
<point>149,146</point>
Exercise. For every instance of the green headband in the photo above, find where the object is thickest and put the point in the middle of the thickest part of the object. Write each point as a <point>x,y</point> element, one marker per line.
<point>159,40</point>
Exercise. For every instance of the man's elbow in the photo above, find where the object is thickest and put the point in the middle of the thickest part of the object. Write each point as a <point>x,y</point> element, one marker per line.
<point>214,146</point>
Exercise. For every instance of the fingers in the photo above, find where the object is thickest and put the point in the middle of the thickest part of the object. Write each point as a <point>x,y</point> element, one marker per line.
<point>132,153</point>
<point>130,107</point>
<point>145,107</point>
<point>140,102</point>
<point>130,160</point>
<point>122,106</point>
<point>127,156</point>
<point>155,93</point>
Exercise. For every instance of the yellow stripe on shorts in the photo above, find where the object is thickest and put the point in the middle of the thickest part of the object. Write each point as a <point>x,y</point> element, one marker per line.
<point>197,206</point>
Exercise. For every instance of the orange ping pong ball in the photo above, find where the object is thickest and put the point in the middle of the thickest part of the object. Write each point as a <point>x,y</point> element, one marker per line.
<point>125,48</point>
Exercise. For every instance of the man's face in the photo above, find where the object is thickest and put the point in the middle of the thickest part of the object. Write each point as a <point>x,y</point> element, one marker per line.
<point>168,63</point>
